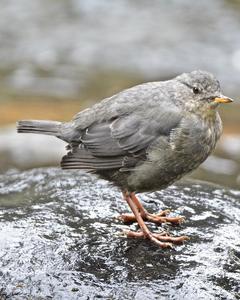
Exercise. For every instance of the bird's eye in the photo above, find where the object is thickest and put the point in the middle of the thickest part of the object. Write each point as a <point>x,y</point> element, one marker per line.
<point>196,90</point>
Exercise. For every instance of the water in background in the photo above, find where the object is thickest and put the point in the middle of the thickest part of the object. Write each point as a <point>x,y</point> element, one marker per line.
<point>51,47</point>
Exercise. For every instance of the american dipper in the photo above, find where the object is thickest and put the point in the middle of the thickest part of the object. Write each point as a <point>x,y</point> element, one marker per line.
<point>143,139</point>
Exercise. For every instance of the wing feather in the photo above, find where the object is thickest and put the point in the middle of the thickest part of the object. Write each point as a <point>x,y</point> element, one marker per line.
<point>120,133</point>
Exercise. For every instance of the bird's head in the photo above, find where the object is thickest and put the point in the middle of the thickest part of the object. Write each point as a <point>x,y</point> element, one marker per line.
<point>199,91</point>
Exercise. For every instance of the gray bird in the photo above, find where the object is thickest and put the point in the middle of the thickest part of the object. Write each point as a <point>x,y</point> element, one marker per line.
<point>143,139</point>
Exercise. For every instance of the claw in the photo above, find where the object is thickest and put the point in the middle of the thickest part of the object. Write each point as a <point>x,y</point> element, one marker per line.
<point>165,240</point>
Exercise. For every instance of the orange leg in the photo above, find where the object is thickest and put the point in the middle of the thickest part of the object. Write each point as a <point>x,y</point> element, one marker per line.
<point>159,218</point>
<point>161,239</point>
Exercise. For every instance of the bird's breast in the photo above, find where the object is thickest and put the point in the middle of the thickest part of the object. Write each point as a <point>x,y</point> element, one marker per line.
<point>194,140</point>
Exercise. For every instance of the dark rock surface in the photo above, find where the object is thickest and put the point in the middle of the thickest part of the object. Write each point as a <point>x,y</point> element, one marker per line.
<point>59,239</point>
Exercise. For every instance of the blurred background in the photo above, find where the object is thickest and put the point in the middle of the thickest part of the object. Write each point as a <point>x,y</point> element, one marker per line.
<point>58,57</point>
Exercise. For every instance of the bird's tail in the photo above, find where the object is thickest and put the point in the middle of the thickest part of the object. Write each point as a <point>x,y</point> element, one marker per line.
<point>39,127</point>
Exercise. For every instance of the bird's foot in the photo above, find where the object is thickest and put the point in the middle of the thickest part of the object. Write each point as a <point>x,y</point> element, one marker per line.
<point>163,239</point>
<point>161,217</point>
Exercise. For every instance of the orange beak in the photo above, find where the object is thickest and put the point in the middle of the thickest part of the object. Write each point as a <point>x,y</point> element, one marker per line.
<point>223,99</point>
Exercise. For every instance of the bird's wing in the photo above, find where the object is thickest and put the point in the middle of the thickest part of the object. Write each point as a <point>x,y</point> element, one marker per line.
<point>122,141</point>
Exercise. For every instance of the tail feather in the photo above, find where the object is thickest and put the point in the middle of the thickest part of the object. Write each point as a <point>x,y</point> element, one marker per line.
<point>39,127</point>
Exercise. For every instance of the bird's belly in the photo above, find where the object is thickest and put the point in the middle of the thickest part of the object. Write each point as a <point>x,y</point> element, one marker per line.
<point>168,165</point>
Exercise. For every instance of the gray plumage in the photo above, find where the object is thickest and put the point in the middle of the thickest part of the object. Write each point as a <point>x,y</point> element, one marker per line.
<point>146,137</point>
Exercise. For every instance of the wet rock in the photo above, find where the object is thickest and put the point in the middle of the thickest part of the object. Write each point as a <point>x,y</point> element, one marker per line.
<point>59,239</point>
